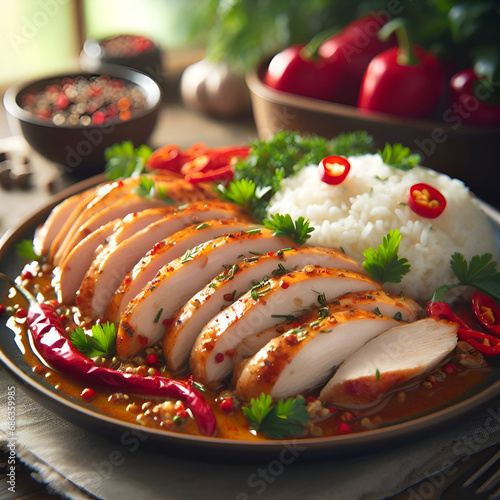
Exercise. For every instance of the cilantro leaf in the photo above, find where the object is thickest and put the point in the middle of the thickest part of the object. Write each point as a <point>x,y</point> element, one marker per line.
<point>398,156</point>
<point>480,273</point>
<point>101,342</point>
<point>384,265</point>
<point>25,249</point>
<point>278,421</point>
<point>283,225</point>
<point>122,160</point>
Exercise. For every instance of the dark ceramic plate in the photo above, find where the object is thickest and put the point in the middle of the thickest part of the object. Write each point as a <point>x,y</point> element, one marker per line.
<point>205,447</point>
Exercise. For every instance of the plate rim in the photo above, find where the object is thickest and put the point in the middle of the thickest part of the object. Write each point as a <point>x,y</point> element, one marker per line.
<point>179,443</point>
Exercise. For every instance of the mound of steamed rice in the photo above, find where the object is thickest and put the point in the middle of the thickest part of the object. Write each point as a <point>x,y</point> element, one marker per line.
<point>373,200</point>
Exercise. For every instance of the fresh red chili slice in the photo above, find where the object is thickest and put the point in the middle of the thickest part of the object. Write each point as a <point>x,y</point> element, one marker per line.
<point>484,343</point>
<point>333,169</point>
<point>486,312</point>
<point>222,173</point>
<point>426,201</point>
<point>166,158</point>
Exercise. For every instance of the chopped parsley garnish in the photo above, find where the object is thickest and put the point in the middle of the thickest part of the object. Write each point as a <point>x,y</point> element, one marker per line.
<point>25,249</point>
<point>260,289</point>
<point>190,254</point>
<point>384,265</point>
<point>148,189</point>
<point>480,273</point>
<point>377,374</point>
<point>280,270</point>
<point>283,225</point>
<point>202,226</point>
<point>158,315</point>
<point>398,156</point>
<point>101,341</point>
<point>277,421</point>
<point>258,176</point>
<point>122,160</point>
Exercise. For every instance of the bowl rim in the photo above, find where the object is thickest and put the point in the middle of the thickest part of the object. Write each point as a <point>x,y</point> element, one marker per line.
<point>151,89</point>
<point>256,85</point>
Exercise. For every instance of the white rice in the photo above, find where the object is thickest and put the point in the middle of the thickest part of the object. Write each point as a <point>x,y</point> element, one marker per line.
<point>372,200</point>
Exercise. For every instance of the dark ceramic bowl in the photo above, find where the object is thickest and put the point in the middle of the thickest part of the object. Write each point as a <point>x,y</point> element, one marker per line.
<point>80,149</point>
<point>95,55</point>
<point>467,152</point>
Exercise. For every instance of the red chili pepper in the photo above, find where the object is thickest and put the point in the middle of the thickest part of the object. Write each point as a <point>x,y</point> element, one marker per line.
<point>352,49</point>
<point>165,158</point>
<point>486,312</point>
<point>49,338</point>
<point>405,80</point>
<point>334,169</point>
<point>221,173</point>
<point>443,310</point>
<point>300,70</point>
<point>426,201</point>
<point>469,98</point>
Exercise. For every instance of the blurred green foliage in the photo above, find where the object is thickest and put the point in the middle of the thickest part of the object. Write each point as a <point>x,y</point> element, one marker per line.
<point>244,32</point>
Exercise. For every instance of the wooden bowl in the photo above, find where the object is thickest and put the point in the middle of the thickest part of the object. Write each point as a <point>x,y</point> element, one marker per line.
<point>466,152</point>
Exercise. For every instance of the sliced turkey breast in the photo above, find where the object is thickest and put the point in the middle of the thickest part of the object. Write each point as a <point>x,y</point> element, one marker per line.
<point>187,323</point>
<point>58,217</point>
<point>163,252</point>
<point>142,322</point>
<point>115,261</point>
<point>70,273</point>
<point>121,200</point>
<point>107,191</point>
<point>378,301</point>
<point>303,358</point>
<point>264,306</point>
<point>389,361</point>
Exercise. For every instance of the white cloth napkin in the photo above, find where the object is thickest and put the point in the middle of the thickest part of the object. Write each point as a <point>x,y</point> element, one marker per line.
<point>77,463</point>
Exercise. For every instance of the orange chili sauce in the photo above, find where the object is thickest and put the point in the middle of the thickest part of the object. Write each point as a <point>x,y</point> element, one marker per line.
<point>418,400</point>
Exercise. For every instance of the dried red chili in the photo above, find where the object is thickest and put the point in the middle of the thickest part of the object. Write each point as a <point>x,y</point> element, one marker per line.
<point>49,339</point>
<point>333,170</point>
<point>486,312</point>
<point>426,201</point>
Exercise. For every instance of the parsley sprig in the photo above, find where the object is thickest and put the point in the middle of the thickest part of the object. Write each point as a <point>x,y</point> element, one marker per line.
<point>259,176</point>
<point>277,421</point>
<point>101,341</point>
<point>25,249</point>
<point>148,189</point>
<point>123,160</point>
<point>383,264</point>
<point>283,225</point>
<point>398,156</point>
<point>480,273</point>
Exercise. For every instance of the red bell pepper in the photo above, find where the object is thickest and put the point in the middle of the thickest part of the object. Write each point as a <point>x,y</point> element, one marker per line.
<point>487,312</point>
<point>49,339</point>
<point>470,97</point>
<point>333,170</point>
<point>300,70</point>
<point>405,80</point>
<point>352,49</point>
<point>426,201</point>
